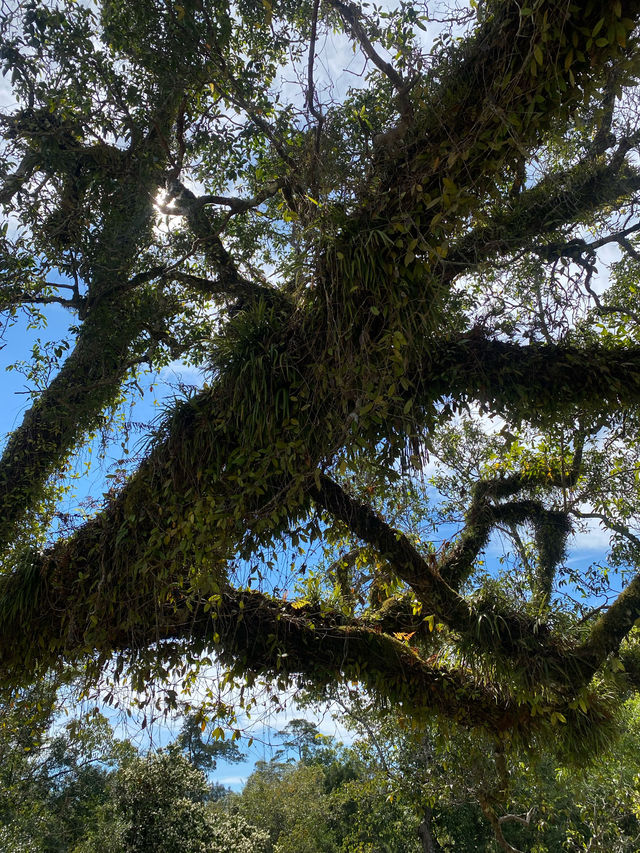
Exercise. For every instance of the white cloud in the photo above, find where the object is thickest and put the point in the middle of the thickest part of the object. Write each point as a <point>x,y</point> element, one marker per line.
<point>232,781</point>
<point>178,373</point>
<point>593,540</point>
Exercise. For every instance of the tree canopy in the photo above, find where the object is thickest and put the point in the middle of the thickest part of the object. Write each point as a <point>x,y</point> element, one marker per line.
<point>372,278</point>
<point>75,788</point>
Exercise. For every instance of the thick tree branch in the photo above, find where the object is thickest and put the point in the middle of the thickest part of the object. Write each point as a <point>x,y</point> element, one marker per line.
<point>560,200</point>
<point>26,297</point>
<point>229,279</point>
<point>235,464</point>
<point>477,116</point>
<point>608,632</point>
<point>235,205</point>
<point>232,287</point>
<point>556,378</point>
<point>258,634</point>
<point>88,380</point>
<point>504,633</point>
<point>92,375</point>
<point>165,467</point>
<point>419,572</point>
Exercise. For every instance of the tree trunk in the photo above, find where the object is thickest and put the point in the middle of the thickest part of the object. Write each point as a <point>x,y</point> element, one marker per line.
<point>429,843</point>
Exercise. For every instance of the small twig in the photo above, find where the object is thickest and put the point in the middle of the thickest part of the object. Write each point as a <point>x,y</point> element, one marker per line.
<point>60,286</point>
<point>373,738</point>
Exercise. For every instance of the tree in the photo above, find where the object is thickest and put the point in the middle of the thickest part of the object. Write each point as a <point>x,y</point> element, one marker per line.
<point>53,778</point>
<point>354,271</point>
<point>204,754</point>
<point>487,798</point>
<point>445,789</point>
<point>158,804</point>
<point>289,802</point>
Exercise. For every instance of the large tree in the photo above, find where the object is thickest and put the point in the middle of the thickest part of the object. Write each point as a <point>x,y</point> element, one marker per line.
<point>356,270</point>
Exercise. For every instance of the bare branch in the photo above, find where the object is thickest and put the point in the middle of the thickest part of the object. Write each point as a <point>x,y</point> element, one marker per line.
<point>311,61</point>
<point>496,825</point>
<point>525,819</point>
<point>238,205</point>
<point>365,721</point>
<point>616,237</point>
<point>27,298</point>
<point>350,13</point>
<point>316,112</point>
<point>624,146</point>
<point>612,525</point>
<point>239,287</point>
<point>209,238</point>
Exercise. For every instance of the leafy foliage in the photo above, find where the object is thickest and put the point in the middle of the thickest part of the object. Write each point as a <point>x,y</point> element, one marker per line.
<point>370,279</point>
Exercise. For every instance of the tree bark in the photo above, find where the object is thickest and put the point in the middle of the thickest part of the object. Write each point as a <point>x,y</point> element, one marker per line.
<point>427,839</point>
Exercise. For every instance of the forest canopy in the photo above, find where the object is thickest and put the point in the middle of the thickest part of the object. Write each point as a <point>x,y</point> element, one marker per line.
<point>411,288</point>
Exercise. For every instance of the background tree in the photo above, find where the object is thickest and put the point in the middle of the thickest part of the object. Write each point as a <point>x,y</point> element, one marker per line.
<point>54,778</point>
<point>159,804</point>
<point>460,791</point>
<point>395,788</point>
<point>354,271</point>
<point>201,749</point>
<point>290,803</point>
